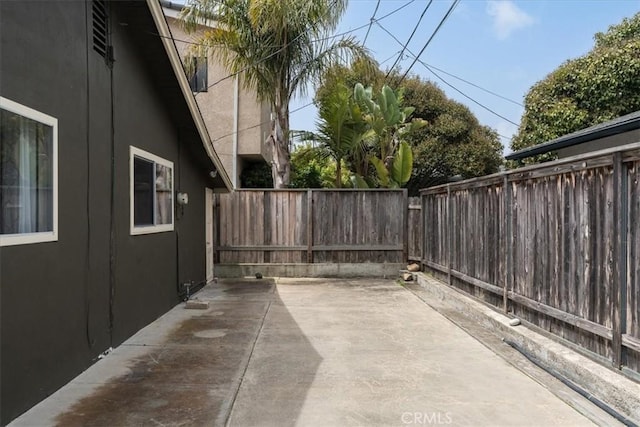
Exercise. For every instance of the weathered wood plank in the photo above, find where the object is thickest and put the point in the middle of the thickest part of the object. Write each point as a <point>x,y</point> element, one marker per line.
<point>271,226</point>
<point>571,319</point>
<point>618,261</point>
<point>631,342</point>
<point>566,227</point>
<point>309,226</point>
<point>376,247</point>
<point>269,248</point>
<point>476,282</point>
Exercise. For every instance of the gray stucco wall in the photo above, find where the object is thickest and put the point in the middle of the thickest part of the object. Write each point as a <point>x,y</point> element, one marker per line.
<point>217,107</point>
<point>57,314</point>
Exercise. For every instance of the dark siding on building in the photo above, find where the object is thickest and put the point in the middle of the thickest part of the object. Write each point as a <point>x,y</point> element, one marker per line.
<point>56,297</point>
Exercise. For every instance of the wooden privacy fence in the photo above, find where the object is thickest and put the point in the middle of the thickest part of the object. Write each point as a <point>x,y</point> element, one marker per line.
<point>555,244</point>
<point>414,234</point>
<point>310,226</point>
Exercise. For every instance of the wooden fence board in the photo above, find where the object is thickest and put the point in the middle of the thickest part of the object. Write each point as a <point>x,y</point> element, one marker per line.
<point>553,240</point>
<point>414,229</point>
<point>632,315</point>
<point>299,226</point>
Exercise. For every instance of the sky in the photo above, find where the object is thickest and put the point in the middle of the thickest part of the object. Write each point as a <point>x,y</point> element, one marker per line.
<point>504,46</point>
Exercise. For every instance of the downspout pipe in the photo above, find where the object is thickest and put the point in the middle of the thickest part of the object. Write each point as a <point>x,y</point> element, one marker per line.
<point>236,119</point>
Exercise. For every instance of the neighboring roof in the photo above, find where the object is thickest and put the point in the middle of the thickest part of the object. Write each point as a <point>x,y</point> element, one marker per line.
<point>172,5</point>
<point>176,63</point>
<point>613,127</point>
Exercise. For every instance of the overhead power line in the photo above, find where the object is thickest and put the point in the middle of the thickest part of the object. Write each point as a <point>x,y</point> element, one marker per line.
<point>473,84</point>
<point>391,57</point>
<point>409,39</point>
<point>442,21</point>
<point>259,124</point>
<point>300,35</point>
<point>449,84</point>
<point>467,96</point>
<point>373,17</point>
<point>450,74</point>
<point>393,12</point>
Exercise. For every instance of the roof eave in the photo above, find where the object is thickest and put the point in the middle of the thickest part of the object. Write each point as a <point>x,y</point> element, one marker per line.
<point>176,64</point>
<point>573,139</point>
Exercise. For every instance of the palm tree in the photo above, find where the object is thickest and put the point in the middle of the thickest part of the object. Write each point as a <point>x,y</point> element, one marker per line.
<point>341,128</point>
<point>279,47</point>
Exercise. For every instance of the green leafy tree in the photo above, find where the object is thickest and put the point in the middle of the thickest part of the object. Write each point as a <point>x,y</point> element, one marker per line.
<point>336,79</point>
<point>341,126</point>
<point>313,167</point>
<point>278,47</point>
<point>453,143</point>
<point>599,86</point>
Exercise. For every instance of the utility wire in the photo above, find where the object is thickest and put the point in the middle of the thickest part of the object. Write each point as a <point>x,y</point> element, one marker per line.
<point>449,84</point>
<point>174,40</point>
<point>300,35</point>
<point>442,21</point>
<point>394,11</point>
<point>259,124</point>
<point>373,18</point>
<point>391,57</point>
<point>283,47</point>
<point>467,96</point>
<point>409,40</point>
<point>344,33</point>
<point>473,84</point>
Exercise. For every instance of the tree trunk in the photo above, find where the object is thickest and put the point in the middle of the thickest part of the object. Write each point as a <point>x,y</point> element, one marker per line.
<point>339,173</point>
<point>279,142</point>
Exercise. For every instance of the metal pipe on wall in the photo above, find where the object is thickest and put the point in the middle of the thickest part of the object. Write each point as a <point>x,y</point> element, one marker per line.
<point>236,114</point>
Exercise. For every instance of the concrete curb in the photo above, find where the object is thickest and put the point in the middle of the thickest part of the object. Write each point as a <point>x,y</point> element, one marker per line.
<point>339,270</point>
<point>611,388</point>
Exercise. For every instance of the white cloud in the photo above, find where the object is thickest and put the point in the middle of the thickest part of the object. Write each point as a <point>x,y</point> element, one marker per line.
<point>507,17</point>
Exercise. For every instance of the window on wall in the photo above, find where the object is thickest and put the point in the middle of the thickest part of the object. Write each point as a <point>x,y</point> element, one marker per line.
<point>151,193</point>
<point>28,175</point>
<point>197,72</point>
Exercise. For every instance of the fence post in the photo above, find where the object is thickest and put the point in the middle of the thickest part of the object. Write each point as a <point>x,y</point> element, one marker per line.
<point>216,228</point>
<point>619,267</point>
<point>268,225</point>
<point>449,233</point>
<point>423,231</point>
<point>405,237</point>
<point>508,250</point>
<point>310,226</point>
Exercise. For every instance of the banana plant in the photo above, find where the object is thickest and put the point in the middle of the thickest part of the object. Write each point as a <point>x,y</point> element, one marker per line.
<point>388,123</point>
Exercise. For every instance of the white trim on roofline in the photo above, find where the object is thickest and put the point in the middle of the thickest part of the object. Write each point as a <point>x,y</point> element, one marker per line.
<point>176,63</point>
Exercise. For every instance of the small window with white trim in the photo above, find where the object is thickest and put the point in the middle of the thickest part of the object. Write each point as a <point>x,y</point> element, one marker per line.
<point>28,175</point>
<point>151,193</point>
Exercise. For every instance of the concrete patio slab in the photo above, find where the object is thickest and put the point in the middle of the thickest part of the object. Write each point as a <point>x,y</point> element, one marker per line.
<point>309,353</point>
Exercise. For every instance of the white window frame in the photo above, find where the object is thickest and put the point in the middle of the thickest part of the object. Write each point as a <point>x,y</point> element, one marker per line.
<point>148,229</point>
<point>42,236</point>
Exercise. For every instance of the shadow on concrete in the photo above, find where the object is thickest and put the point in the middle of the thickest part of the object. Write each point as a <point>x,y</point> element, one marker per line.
<point>194,374</point>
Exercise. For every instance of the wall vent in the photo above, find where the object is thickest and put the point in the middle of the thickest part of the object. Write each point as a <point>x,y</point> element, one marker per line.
<point>100,28</point>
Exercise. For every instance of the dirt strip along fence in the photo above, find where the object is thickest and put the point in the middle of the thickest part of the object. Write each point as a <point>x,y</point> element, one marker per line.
<point>310,226</point>
<point>555,244</point>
